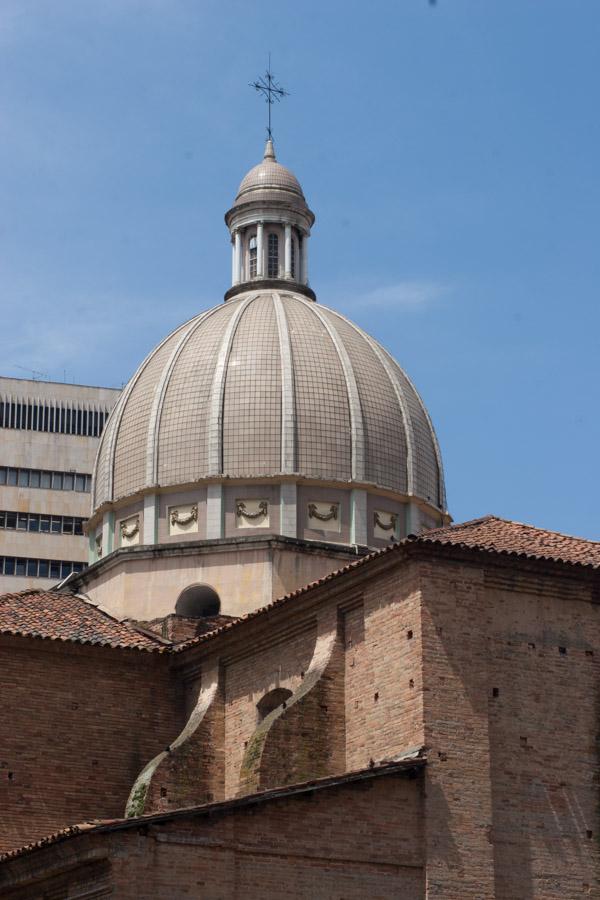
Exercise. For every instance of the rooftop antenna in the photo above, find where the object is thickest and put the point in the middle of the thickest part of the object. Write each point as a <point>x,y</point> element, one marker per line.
<point>271,91</point>
<point>35,375</point>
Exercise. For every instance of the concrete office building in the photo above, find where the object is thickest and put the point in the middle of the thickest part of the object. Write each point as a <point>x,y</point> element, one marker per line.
<point>49,436</point>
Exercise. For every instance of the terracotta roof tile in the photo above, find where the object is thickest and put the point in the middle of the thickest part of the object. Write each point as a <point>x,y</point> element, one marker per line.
<point>408,764</point>
<point>66,617</point>
<point>505,536</point>
<point>489,533</point>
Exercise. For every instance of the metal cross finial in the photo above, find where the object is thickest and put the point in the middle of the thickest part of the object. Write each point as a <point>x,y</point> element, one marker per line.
<point>271,91</point>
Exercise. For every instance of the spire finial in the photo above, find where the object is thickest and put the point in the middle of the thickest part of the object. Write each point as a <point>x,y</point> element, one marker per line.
<point>270,150</point>
<point>271,91</point>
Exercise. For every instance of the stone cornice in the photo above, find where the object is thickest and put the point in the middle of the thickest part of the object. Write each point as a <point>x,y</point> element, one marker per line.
<point>270,284</point>
<point>553,576</point>
<point>211,545</point>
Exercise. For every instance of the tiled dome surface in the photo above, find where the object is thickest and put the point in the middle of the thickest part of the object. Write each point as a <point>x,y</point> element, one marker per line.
<point>269,383</point>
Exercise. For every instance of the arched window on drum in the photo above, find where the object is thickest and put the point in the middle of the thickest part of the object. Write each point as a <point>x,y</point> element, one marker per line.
<point>273,258</point>
<point>252,256</point>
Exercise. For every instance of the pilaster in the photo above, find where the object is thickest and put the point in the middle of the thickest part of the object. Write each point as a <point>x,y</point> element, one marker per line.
<point>92,555</point>
<point>214,511</point>
<point>288,251</point>
<point>288,515</point>
<point>358,521</point>
<point>108,532</point>
<point>413,519</point>
<point>238,257</point>
<point>150,519</point>
<point>304,259</point>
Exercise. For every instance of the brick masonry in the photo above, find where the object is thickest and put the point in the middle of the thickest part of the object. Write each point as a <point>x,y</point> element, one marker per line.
<point>350,841</point>
<point>78,723</point>
<point>489,662</point>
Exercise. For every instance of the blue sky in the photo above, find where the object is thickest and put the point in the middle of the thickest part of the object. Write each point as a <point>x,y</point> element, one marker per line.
<point>449,150</point>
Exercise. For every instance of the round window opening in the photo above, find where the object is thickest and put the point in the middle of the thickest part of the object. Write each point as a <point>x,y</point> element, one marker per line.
<point>198,601</point>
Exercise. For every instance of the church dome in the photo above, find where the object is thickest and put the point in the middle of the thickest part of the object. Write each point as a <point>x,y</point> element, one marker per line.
<point>265,385</point>
<point>270,181</point>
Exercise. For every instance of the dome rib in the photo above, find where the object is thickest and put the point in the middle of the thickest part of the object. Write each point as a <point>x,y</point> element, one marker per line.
<point>116,418</point>
<point>215,416</point>
<point>436,446</point>
<point>356,416</point>
<point>214,399</point>
<point>406,420</point>
<point>441,488</point>
<point>159,398</point>
<point>288,402</point>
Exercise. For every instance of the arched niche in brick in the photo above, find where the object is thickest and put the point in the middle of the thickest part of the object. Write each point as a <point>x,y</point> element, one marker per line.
<point>271,701</point>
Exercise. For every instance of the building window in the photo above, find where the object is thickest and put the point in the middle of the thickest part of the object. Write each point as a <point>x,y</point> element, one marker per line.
<point>35,478</point>
<point>38,568</point>
<point>293,249</point>
<point>252,252</point>
<point>273,264</point>
<point>45,524</point>
<point>33,415</point>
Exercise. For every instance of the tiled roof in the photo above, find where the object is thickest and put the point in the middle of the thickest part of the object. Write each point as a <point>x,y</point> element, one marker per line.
<point>505,536</point>
<point>66,617</point>
<point>408,765</point>
<point>490,534</point>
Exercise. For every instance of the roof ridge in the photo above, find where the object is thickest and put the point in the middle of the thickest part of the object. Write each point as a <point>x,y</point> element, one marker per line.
<point>434,536</point>
<point>562,534</point>
<point>490,517</point>
<point>416,759</point>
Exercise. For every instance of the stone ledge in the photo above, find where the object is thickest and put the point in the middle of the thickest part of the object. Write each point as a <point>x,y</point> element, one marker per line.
<point>270,284</point>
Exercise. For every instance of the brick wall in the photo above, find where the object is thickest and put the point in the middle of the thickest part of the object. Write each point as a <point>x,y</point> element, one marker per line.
<point>510,663</point>
<point>350,841</point>
<point>305,737</point>
<point>543,703</point>
<point>78,723</point>
<point>491,664</point>
<point>361,703</point>
<point>248,676</point>
<point>384,696</point>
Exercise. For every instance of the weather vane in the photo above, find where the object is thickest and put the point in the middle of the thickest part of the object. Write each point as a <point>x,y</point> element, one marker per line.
<point>271,91</point>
